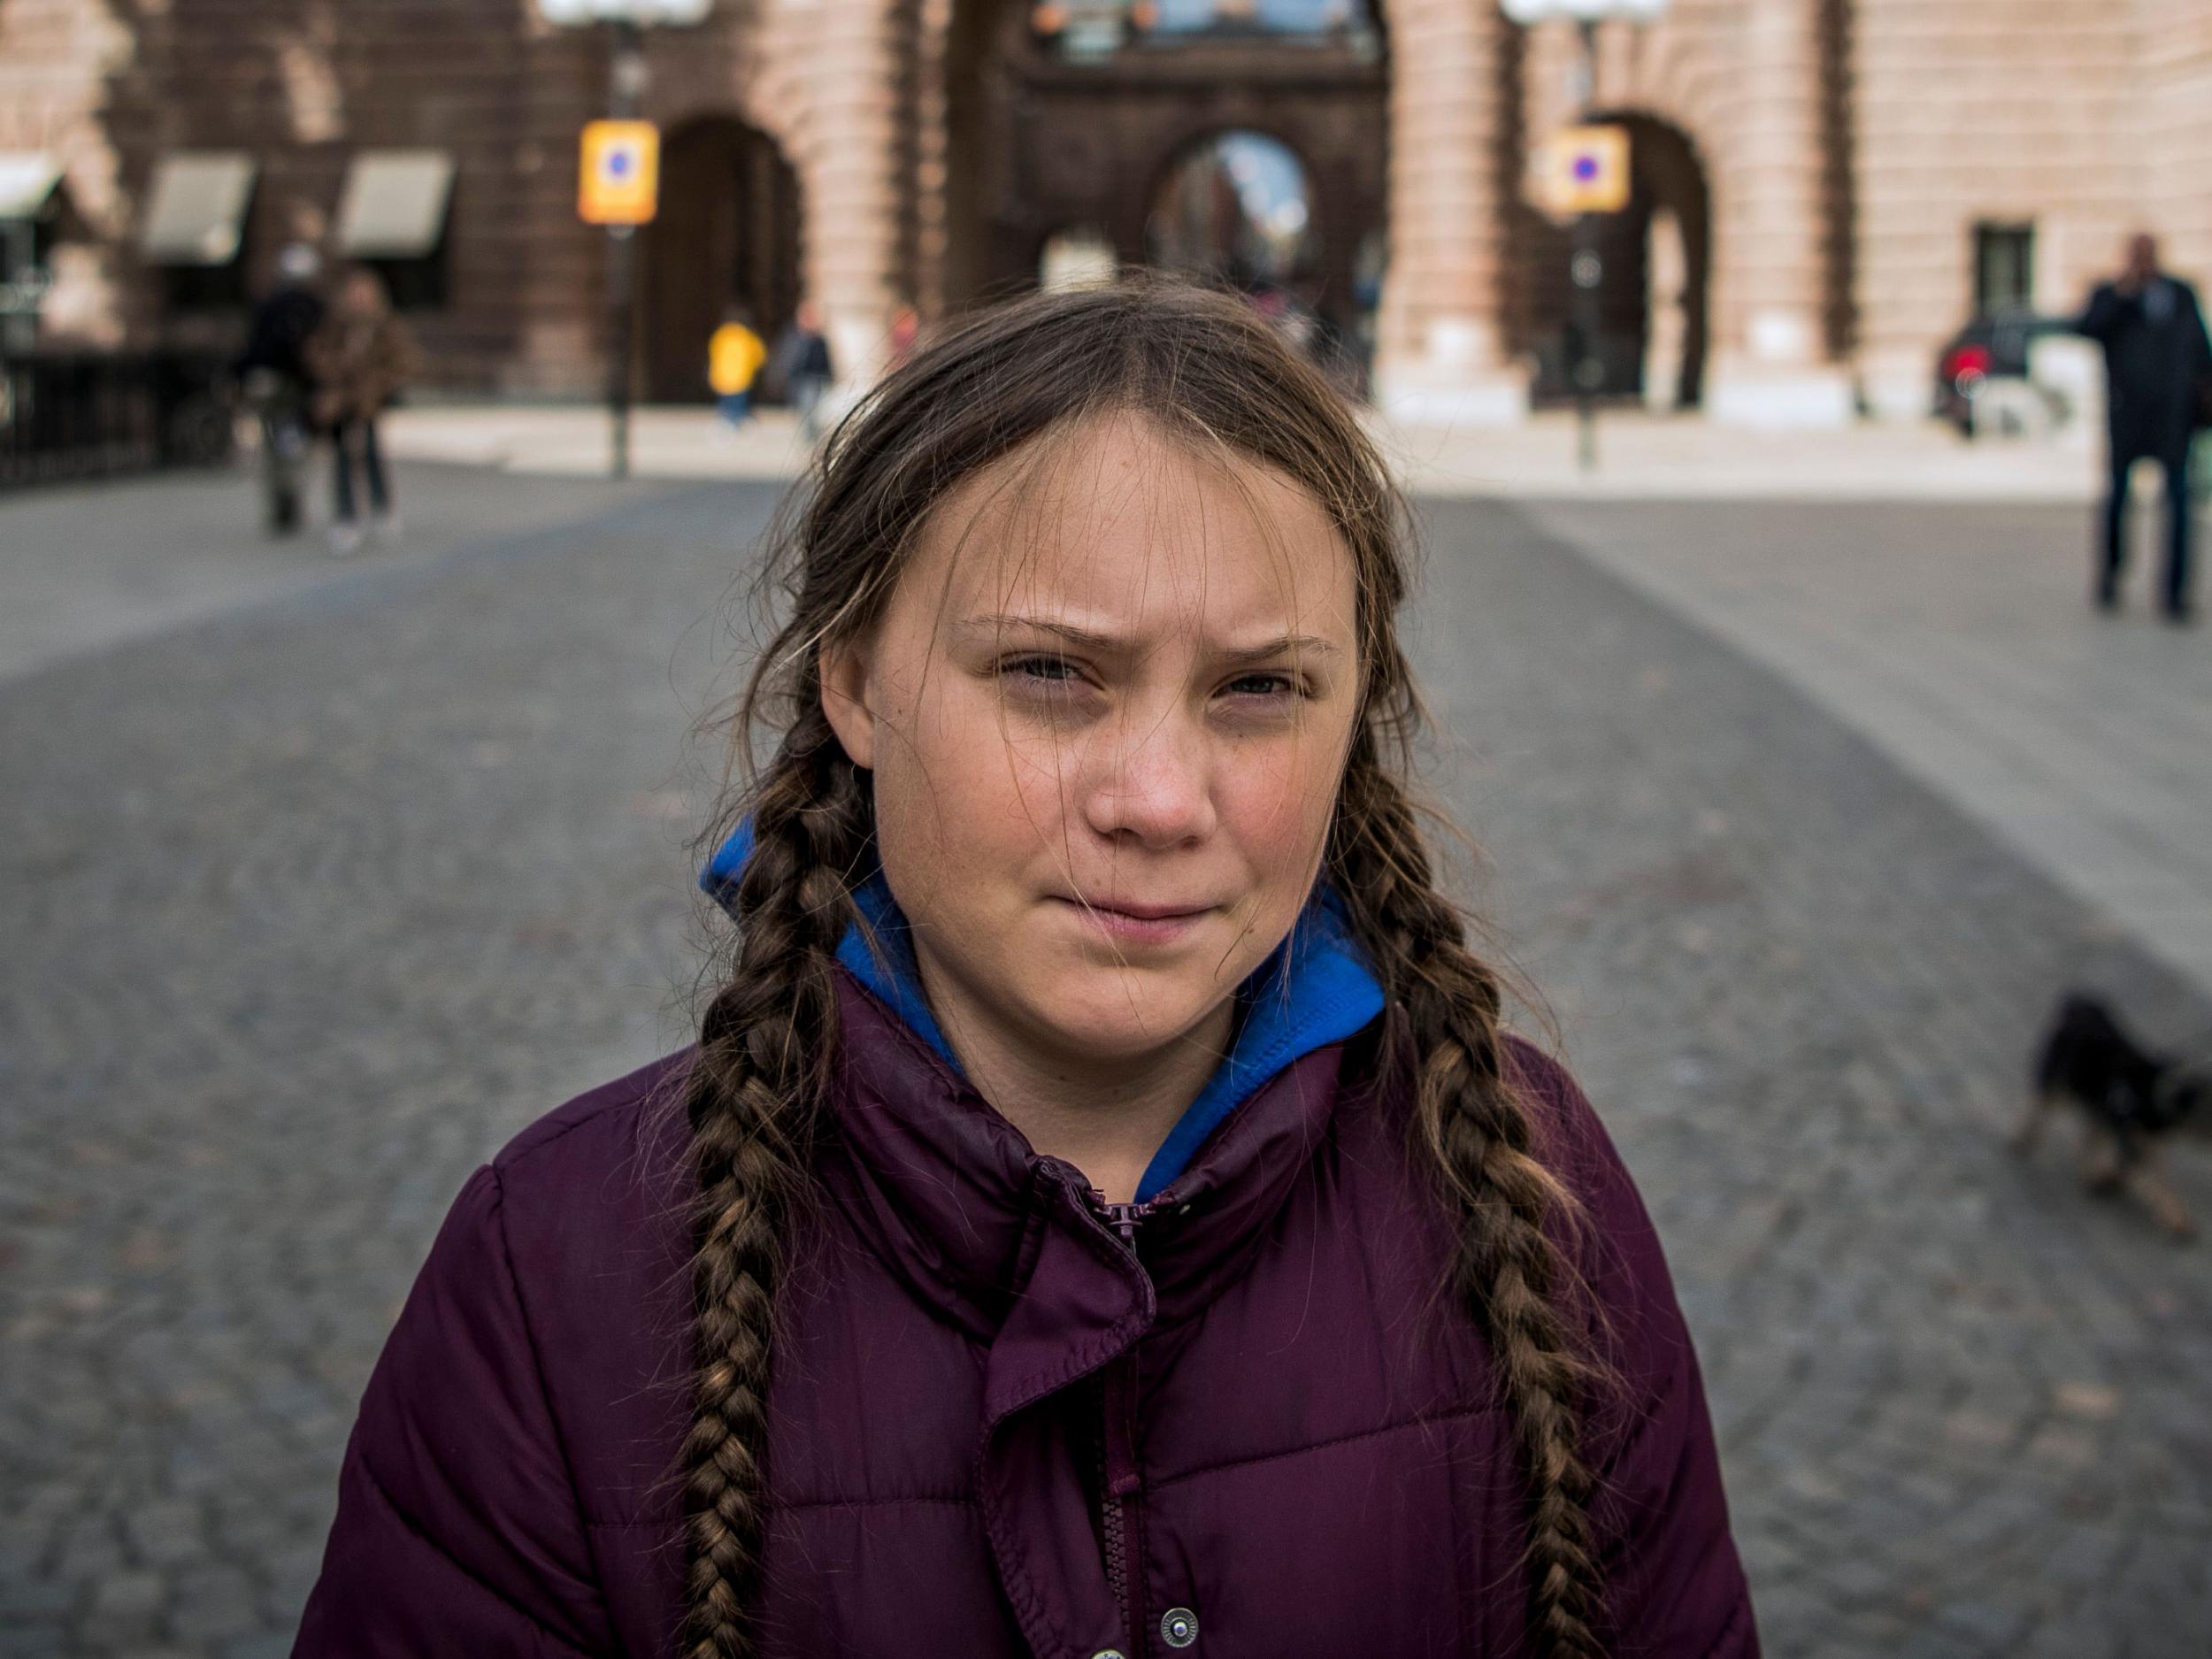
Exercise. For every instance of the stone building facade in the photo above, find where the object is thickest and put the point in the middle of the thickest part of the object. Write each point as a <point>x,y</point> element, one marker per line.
<point>1824,189</point>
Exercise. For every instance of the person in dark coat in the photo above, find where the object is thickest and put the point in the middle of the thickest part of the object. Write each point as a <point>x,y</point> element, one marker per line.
<point>274,373</point>
<point>802,368</point>
<point>1103,1214</point>
<point>2158,374</point>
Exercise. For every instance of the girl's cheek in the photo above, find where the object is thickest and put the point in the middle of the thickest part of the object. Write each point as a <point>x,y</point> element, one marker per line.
<point>1035,768</point>
<point>1277,799</point>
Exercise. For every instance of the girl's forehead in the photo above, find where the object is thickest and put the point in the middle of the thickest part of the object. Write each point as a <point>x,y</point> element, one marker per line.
<point>1118,520</point>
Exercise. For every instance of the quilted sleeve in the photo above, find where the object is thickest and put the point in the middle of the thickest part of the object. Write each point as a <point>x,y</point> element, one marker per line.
<point>458,1529</point>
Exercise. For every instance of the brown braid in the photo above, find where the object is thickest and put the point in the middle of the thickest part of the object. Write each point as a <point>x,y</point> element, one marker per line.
<point>1480,1137</point>
<point>1205,369</point>
<point>764,1043</point>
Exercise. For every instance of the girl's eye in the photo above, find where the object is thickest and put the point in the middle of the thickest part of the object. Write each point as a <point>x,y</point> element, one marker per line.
<point>1043,671</point>
<point>1262,686</point>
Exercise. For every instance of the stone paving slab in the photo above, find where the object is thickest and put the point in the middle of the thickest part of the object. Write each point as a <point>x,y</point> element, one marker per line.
<point>314,904</point>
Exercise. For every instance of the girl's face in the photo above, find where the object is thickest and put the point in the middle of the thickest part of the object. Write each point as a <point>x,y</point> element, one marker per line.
<point>1107,708</point>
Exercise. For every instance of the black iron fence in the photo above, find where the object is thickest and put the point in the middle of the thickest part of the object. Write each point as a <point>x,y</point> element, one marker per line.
<point>74,415</point>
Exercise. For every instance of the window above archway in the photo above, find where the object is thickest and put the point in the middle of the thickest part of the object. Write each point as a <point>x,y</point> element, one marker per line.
<point>1081,30</point>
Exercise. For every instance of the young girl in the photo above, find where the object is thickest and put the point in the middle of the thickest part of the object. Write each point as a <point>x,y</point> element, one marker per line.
<point>1102,1215</point>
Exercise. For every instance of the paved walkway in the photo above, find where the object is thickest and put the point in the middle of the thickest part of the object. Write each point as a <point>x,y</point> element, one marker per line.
<point>1645,457</point>
<point>1954,637</point>
<point>314,902</point>
<point>1962,1405</point>
<point>1961,641</point>
<point>85,567</point>
<point>564,440</point>
<point>1642,456</point>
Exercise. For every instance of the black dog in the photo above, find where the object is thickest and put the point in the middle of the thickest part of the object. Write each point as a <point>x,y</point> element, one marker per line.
<point>2130,1099</point>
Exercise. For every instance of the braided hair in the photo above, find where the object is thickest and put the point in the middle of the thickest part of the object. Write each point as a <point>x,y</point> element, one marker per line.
<point>1205,370</point>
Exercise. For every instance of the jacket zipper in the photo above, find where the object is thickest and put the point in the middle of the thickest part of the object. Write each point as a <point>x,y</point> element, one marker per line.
<point>1117,1483</point>
<point>1112,1530</point>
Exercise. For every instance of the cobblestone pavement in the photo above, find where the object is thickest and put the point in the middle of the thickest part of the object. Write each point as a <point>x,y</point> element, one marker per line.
<point>312,905</point>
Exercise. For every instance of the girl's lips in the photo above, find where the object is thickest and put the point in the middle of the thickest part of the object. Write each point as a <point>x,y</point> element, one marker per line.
<point>1150,925</point>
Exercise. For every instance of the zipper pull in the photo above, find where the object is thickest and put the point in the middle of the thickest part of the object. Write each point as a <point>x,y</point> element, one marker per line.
<point>1123,1218</point>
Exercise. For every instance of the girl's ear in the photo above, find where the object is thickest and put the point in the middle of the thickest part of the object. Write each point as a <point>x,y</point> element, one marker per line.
<point>843,668</point>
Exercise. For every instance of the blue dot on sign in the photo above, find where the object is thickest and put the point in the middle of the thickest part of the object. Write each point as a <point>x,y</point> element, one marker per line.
<point>1585,168</point>
<point>617,163</point>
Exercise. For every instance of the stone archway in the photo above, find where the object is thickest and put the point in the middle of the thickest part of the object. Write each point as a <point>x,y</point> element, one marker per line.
<point>1037,134</point>
<point>1235,207</point>
<point>1404,110</point>
<point>1654,296</point>
<point>727,233</point>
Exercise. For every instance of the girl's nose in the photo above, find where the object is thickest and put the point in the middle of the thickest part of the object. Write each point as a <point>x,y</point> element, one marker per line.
<point>1148,781</point>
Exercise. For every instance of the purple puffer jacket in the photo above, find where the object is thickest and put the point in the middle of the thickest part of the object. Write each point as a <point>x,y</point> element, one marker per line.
<point>998,1431</point>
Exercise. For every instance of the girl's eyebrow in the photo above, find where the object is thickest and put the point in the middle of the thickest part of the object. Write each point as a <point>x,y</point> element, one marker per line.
<point>1282,645</point>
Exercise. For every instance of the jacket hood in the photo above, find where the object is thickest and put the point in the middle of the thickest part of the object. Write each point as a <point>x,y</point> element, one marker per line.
<point>1315,988</point>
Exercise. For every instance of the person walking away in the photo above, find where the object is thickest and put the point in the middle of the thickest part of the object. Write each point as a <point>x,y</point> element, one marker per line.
<point>735,355</point>
<point>2158,374</point>
<point>801,365</point>
<point>361,359</point>
<point>273,372</point>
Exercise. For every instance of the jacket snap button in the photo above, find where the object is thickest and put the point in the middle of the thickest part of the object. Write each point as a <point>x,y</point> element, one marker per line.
<point>1179,1627</point>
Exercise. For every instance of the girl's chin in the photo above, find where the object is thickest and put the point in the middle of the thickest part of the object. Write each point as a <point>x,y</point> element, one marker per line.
<point>1114,1026</point>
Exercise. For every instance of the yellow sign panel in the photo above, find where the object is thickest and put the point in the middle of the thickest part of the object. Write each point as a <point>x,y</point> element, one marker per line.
<point>1586,170</point>
<point>619,181</point>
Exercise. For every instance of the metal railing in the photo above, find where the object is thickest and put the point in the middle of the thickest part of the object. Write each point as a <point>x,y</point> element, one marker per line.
<point>79,415</point>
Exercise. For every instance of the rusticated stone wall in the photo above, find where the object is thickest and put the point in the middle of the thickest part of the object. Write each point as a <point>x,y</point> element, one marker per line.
<point>1845,152</point>
<point>2173,102</point>
<point>54,55</point>
<point>1986,109</point>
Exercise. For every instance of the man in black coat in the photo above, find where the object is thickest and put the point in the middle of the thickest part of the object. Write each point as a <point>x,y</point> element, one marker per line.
<point>2158,374</point>
<point>274,370</point>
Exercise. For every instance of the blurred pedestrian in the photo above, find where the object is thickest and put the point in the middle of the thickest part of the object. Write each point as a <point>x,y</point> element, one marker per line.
<point>362,358</point>
<point>802,365</point>
<point>274,376</point>
<point>1104,1206</point>
<point>2158,375</point>
<point>734,355</point>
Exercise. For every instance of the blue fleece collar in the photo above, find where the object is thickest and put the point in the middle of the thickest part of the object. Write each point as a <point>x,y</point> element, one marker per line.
<point>1315,989</point>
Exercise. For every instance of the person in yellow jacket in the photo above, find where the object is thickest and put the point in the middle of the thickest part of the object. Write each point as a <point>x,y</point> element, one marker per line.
<point>735,355</point>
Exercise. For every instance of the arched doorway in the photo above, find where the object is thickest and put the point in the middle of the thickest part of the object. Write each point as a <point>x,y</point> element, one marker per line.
<point>1236,208</point>
<point>1656,260</point>
<point>1075,112</point>
<point>727,233</point>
